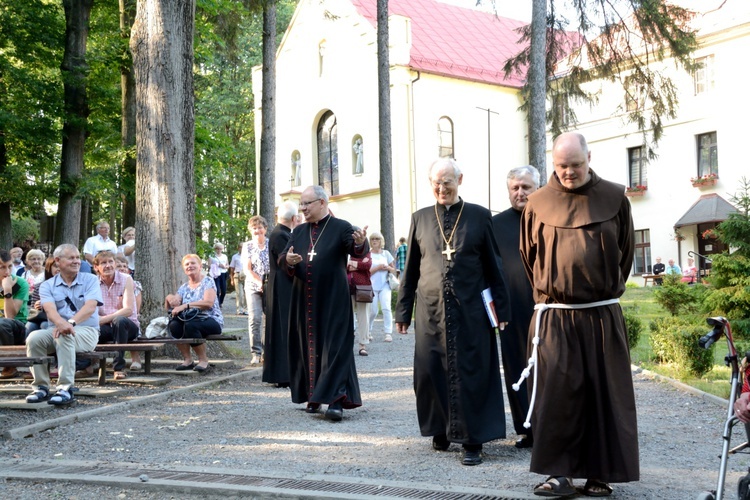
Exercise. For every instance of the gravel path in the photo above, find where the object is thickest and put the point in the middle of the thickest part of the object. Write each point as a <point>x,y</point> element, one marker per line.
<point>245,424</point>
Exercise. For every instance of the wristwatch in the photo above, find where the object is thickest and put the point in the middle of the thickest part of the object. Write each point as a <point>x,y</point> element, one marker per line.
<point>7,295</point>
<point>72,321</point>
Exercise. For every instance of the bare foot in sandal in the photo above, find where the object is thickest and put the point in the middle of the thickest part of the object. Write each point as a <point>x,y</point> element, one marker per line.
<point>596,488</point>
<point>560,486</point>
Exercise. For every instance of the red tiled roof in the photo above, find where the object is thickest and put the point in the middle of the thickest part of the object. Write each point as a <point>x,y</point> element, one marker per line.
<point>455,41</point>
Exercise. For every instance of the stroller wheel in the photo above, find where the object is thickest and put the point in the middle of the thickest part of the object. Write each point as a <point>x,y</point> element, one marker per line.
<point>743,487</point>
<point>706,495</point>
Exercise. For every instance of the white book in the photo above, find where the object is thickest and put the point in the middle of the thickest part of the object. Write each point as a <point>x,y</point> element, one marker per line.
<point>489,305</point>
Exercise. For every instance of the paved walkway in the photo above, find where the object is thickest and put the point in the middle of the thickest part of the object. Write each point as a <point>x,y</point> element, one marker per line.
<point>238,436</point>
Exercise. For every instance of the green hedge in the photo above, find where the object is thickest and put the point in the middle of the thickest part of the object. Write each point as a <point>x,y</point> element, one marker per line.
<point>675,340</point>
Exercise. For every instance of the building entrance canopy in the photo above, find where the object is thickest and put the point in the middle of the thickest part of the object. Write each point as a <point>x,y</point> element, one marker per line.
<point>708,208</point>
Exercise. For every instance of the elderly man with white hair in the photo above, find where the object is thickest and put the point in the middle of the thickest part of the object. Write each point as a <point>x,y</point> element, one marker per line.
<point>99,242</point>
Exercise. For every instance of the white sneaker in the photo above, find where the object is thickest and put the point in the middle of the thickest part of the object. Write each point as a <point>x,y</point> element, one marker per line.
<point>388,338</point>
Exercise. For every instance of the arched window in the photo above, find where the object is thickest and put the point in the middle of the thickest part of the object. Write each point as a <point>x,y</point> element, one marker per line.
<point>445,138</point>
<point>328,155</point>
<point>296,169</point>
<point>358,159</point>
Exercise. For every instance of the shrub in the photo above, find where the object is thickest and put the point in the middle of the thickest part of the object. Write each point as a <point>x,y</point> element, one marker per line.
<point>633,325</point>
<point>678,297</point>
<point>675,340</point>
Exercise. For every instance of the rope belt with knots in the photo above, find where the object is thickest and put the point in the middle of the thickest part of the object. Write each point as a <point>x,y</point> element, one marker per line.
<point>541,308</point>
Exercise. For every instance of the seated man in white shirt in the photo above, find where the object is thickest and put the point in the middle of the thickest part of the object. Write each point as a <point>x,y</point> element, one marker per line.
<point>100,242</point>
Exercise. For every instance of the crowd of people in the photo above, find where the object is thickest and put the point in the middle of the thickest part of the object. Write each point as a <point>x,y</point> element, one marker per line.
<point>546,274</point>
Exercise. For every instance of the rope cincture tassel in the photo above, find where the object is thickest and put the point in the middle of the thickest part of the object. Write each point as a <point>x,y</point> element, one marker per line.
<point>541,308</point>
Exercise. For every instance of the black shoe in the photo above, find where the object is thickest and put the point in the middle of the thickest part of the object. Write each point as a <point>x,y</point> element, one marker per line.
<point>202,370</point>
<point>525,442</point>
<point>182,368</point>
<point>472,457</point>
<point>440,442</point>
<point>312,408</point>
<point>334,413</point>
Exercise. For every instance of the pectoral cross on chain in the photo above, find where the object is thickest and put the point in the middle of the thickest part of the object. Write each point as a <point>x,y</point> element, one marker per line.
<point>448,251</point>
<point>311,254</point>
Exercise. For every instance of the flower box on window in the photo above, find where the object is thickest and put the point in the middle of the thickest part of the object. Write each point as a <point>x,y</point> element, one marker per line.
<point>704,180</point>
<point>638,190</point>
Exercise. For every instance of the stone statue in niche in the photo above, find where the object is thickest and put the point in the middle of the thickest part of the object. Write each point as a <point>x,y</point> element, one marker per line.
<point>297,169</point>
<point>358,165</point>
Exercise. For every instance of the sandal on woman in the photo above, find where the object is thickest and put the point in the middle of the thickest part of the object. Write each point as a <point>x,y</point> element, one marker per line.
<point>120,375</point>
<point>559,486</point>
<point>363,352</point>
<point>596,488</point>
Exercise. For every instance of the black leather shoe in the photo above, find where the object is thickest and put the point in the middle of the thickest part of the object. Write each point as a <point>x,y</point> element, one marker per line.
<point>525,442</point>
<point>312,408</point>
<point>182,368</point>
<point>440,442</point>
<point>472,457</point>
<point>334,413</point>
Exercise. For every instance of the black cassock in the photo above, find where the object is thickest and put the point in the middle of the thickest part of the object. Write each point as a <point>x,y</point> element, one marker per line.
<point>278,297</point>
<point>513,341</point>
<point>456,365</point>
<point>321,321</point>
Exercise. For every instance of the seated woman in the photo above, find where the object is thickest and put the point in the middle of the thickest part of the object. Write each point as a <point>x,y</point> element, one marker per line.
<point>689,272</point>
<point>34,273</point>
<point>195,313</point>
<point>39,320</point>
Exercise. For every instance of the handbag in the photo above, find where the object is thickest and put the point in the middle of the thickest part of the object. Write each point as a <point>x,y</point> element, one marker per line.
<point>393,282</point>
<point>157,328</point>
<point>363,293</point>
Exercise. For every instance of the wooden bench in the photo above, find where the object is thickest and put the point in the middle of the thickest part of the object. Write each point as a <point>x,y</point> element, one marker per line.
<point>16,361</point>
<point>172,340</point>
<point>146,347</point>
<point>10,351</point>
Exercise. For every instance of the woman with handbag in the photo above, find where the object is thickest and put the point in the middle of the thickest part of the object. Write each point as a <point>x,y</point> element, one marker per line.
<point>382,266</point>
<point>194,312</point>
<point>361,292</point>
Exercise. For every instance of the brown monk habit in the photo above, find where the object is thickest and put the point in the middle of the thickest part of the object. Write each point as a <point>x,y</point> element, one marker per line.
<point>577,248</point>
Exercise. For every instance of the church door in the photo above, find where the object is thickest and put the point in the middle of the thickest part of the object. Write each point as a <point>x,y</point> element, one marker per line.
<point>328,154</point>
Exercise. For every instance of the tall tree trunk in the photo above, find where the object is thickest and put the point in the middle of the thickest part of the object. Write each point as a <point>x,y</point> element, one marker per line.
<point>162,47</point>
<point>127,84</point>
<point>267,178</point>
<point>537,79</point>
<point>6,229</point>
<point>384,127</point>
<point>76,109</point>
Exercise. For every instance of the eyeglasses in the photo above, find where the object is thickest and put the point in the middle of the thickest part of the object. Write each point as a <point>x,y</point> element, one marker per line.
<point>305,204</point>
<point>448,183</point>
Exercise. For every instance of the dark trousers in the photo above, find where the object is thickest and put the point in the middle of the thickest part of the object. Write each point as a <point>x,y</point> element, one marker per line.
<point>221,287</point>
<point>196,328</point>
<point>12,332</point>
<point>120,331</point>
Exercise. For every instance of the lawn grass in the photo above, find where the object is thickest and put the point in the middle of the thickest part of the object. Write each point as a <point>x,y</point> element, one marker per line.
<point>715,382</point>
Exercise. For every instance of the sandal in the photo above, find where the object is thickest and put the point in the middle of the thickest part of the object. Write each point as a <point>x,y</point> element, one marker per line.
<point>62,397</point>
<point>39,395</point>
<point>363,352</point>
<point>120,375</point>
<point>559,486</point>
<point>596,488</point>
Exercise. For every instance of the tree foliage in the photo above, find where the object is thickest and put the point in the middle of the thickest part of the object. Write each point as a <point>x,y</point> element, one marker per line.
<point>730,273</point>
<point>617,41</point>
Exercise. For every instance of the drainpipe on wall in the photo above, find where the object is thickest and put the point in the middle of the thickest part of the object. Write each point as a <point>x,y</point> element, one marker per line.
<point>413,175</point>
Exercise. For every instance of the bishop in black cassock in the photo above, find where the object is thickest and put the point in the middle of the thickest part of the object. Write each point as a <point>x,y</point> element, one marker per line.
<point>452,256</point>
<point>321,322</point>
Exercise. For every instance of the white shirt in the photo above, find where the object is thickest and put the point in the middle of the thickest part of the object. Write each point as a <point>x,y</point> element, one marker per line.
<point>96,244</point>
